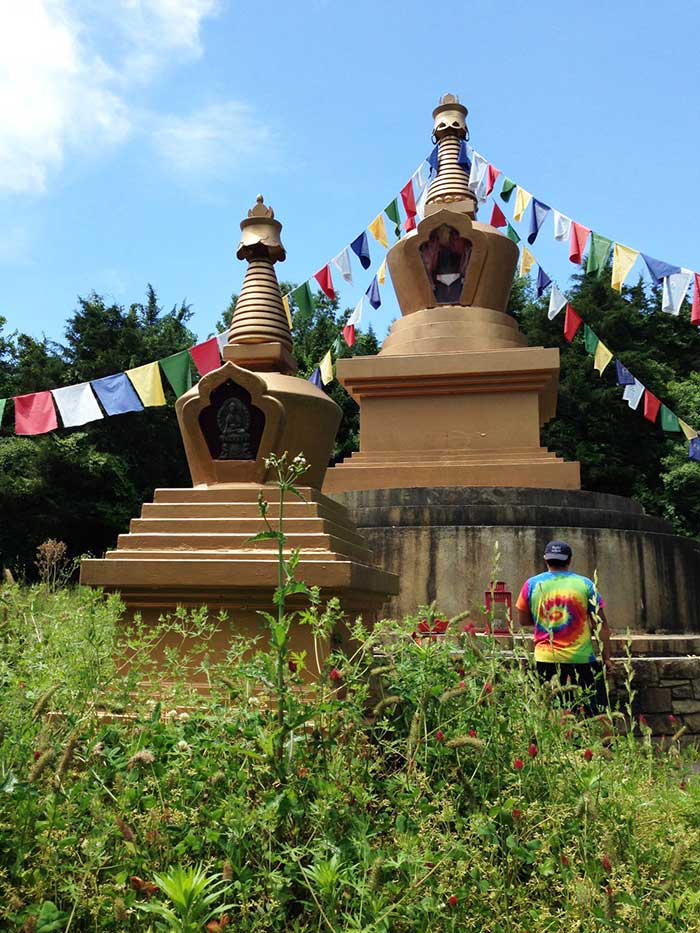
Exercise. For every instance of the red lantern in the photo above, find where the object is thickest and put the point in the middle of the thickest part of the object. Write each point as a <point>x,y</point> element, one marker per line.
<point>499,607</point>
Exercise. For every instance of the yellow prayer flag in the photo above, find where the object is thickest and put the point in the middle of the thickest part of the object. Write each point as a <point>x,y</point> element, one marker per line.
<point>378,230</point>
<point>602,357</point>
<point>623,260</point>
<point>527,261</point>
<point>148,384</point>
<point>522,199</point>
<point>381,272</point>
<point>285,302</point>
<point>687,430</point>
<point>326,368</point>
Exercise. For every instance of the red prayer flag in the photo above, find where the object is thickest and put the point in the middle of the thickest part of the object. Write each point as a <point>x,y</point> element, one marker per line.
<point>651,405</point>
<point>409,223</point>
<point>498,218</point>
<point>408,198</point>
<point>323,277</point>
<point>577,241</point>
<point>349,334</point>
<point>491,176</point>
<point>572,322</point>
<point>206,356</point>
<point>695,310</point>
<point>35,413</point>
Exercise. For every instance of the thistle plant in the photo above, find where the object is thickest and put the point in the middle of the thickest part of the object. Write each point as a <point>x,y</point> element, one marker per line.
<point>192,896</point>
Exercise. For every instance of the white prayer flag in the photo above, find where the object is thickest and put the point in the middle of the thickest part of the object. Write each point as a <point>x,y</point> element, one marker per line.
<point>77,404</point>
<point>557,302</point>
<point>222,340</point>
<point>633,393</point>
<point>420,203</point>
<point>342,264</point>
<point>420,176</point>
<point>675,288</point>
<point>356,315</point>
<point>562,227</point>
<point>478,176</point>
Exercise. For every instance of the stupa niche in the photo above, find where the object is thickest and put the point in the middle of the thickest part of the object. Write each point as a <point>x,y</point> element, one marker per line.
<point>455,397</point>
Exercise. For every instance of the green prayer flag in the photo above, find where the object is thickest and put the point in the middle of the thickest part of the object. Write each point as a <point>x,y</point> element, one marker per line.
<point>669,422</point>
<point>512,235</point>
<point>178,371</point>
<point>507,189</point>
<point>598,254</point>
<point>590,339</point>
<point>3,402</point>
<point>337,346</point>
<point>303,298</point>
<point>392,212</point>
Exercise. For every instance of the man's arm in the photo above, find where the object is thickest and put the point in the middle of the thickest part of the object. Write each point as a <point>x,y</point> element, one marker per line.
<point>602,631</point>
<point>524,617</point>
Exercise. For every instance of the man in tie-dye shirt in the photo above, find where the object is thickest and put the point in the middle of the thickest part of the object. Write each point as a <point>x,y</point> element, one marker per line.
<point>561,605</point>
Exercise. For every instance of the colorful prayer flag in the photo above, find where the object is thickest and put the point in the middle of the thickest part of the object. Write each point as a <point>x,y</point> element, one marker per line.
<point>356,315</point>
<point>572,322</point>
<point>498,218</point>
<point>507,189</point>
<point>323,277</point>
<point>538,212</point>
<point>651,405</point>
<point>689,432</point>
<point>674,290</point>
<point>326,369</point>
<point>590,339</point>
<point>658,268</point>
<point>694,449</point>
<point>381,272</point>
<point>623,259</point>
<point>492,174</point>
<point>434,160</point>
<point>342,264</point>
<point>632,394</point>
<point>35,413</point>
<point>527,261</point>
<point>557,302</point>
<point>392,212</point>
<point>206,358</point>
<point>409,204</point>
<point>315,378</point>
<point>512,234</point>
<point>302,297</point>
<point>543,282</point>
<point>148,384</point>
<point>420,177</point>
<point>77,405</point>
<point>349,334</point>
<point>378,231</point>
<point>602,357</point>
<point>337,346</point>
<point>522,199</point>
<point>562,227</point>
<point>3,402</point>
<point>360,246</point>
<point>669,421</point>
<point>695,309</point>
<point>373,293</point>
<point>116,394</point>
<point>624,376</point>
<point>598,253</point>
<point>463,157</point>
<point>577,241</point>
<point>222,338</point>
<point>478,176</point>
<point>287,313</point>
<point>178,371</point>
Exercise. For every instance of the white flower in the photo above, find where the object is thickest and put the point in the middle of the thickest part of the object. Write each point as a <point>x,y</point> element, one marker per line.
<point>183,746</point>
<point>183,717</point>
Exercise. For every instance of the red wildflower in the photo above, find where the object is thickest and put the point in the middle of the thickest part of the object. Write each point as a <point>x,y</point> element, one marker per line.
<point>609,891</point>
<point>470,628</point>
<point>472,733</point>
<point>671,717</point>
<point>461,683</point>
<point>683,785</point>
<point>569,733</point>
<point>588,754</point>
<point>334,674</point>
<point>487,687</point>
<point>516,814</point>
<point>518,764</point>
<point>452,900</point>
<point>37,756</point>
<point>439,735</point>
<point>564,860</point>
<point>642,719</point>
<point>292,666</point>
<point>460,671</point>
<point>532,750</point>
<point>605,862</point>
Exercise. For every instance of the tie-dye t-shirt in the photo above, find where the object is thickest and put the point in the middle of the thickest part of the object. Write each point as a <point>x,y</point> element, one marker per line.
<point>559,604</point>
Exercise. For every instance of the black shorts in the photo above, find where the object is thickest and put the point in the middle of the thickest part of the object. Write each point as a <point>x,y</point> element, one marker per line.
<point>591,677</point>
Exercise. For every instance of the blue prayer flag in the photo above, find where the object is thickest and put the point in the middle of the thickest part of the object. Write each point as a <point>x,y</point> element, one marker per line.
<point>433,160</point>
<point>538,212</point>
<point>694,449</point>
<point>658,269</point>
<point>360,246</point>
<point>117,394</point>
<point>373,293</point>
<point>463,158</point>
<point>543,281</point>
<point>315,378</point>
<point>624,376</point>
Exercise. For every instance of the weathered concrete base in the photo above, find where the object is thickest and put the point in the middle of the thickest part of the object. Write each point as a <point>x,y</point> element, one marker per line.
<point>441,541</point>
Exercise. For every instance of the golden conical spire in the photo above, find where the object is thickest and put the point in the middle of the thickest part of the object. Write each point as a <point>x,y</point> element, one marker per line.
<point>452,182</point>
<point>259,316</point>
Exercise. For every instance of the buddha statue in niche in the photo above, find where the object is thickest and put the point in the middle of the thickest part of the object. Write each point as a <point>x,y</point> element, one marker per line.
<point>233,419</point>
<point>446,256</point>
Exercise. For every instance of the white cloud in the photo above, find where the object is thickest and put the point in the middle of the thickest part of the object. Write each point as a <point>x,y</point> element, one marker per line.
<point>59,91</point>
<point>212,140</point>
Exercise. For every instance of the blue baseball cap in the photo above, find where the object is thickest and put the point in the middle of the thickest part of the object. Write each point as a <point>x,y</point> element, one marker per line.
<point>558,550</point>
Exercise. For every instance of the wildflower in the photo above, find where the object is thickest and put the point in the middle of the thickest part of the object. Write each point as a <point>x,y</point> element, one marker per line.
<point>460,671</point>
<point>227,871</point>
<point>672,718</point>
<point>183,717</point>
<point>516,814</point>
<point>335,674</point>
<point>40,764</point>
<point>569,733</point>
<point>439,735</point>
<point>98,750</point>
<point>518,764</point>
<point>452,900</point>
<point>532,750</point>
<point>609,891</point>
<point>37,756</point>
<point>143,756</point>
<point>472,733</point>
<point>470,628</point>
<point>605,862</point>
<point>683,785</point>
<point>642,719</point>
<point>564,860</point>
<point>124,829</point>
<point>488,688</point>
<point>183,746</point>
<point>588,754</point>
<point>292,665</point>
<point>461,683</point>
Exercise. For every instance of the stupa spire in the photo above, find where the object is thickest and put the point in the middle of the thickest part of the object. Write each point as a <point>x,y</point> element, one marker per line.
<point>452,182</point>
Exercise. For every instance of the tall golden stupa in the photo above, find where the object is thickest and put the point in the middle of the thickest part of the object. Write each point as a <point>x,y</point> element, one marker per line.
<point>455,397</point>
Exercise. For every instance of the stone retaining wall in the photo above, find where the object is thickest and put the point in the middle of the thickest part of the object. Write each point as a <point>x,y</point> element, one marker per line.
<point>664,687</point>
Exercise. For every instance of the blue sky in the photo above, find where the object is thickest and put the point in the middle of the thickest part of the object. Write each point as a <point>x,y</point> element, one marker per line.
<point>135,134</point>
